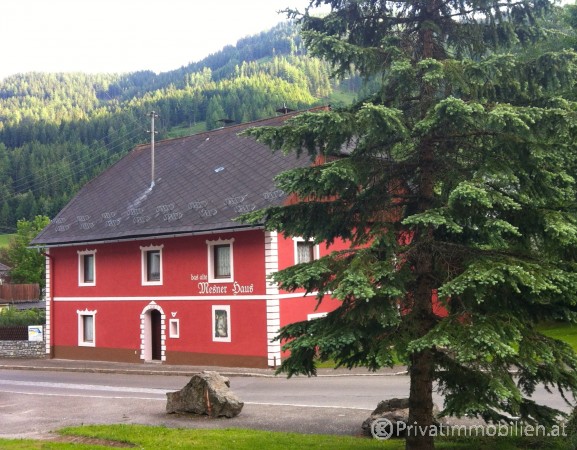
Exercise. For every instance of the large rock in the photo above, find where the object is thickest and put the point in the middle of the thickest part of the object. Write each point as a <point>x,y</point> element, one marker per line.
<point>206,393</point>
<point>396,410</point>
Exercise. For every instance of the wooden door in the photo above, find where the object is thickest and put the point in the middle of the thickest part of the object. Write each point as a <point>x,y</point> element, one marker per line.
<point>155,335</point>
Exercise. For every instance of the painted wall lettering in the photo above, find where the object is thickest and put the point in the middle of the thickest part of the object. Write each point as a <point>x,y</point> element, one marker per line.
<point>242,288</point>
<point>205,287</point>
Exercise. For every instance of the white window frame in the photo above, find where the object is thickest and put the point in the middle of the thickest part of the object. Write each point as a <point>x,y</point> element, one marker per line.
<point>81,279</point>
<point>174,328</point>
<point>81,331</point>
<point>211,275</point>
<point>216,338</point>
<point>144,265</point>
<point>314,316</point>
<point>316,251</point>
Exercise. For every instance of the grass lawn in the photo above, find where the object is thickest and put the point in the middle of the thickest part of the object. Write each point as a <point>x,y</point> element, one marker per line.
<point>181,131</point>
<point>4,239</point>
<point>338,97</point>
<point>144,437</point>
<point>563,332</point>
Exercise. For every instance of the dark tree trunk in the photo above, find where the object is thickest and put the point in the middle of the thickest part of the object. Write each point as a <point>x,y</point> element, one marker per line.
<point>421,402</point>
<point>421,364</point>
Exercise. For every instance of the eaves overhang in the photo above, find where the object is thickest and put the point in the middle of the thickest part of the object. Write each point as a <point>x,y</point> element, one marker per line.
<point>146,237</point>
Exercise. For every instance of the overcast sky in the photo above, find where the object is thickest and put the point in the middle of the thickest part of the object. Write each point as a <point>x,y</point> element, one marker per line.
<point>125,35</point>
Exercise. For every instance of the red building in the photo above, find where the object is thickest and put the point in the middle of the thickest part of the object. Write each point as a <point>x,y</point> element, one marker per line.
<point>144,267</point>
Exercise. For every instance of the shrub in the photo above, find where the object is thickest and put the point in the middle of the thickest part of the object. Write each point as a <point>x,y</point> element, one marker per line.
<point>11,317</point>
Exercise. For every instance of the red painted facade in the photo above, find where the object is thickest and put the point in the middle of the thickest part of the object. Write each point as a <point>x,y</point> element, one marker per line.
<point>139,269</point>
<point>121,304</point>
<point>295,307</point>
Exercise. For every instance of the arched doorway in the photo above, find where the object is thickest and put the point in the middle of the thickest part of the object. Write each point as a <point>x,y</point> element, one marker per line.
<point>155,335</point>
<point>153,338</point>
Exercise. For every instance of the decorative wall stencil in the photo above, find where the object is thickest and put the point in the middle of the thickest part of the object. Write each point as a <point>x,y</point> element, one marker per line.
<point>273,194</point>
<point>165,208</point>
<point>208,212</point>
<point>109,215</point>
<point>231,201</point>
<point>245,208</point>
<point>139,220</point>
<point>112,223</point>
<point>197,205</point>
<point>171,217</point>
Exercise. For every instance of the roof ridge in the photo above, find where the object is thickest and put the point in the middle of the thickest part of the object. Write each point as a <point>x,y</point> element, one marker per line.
<point>242,124</point>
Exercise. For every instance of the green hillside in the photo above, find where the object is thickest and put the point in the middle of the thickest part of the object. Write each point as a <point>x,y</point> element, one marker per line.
<point>5,239</point>
<point>59,130</point>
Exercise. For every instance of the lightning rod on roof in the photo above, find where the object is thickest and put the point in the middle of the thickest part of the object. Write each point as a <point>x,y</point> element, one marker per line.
<point>152,115</point>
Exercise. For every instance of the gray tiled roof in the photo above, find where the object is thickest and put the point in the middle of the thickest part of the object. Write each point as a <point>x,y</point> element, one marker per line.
<point>202,182</point>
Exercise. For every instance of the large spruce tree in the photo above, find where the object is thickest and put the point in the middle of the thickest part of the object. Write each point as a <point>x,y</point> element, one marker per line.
<point>458,182</point>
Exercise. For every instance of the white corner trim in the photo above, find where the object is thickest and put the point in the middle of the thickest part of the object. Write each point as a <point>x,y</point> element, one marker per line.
<point>271,256</point>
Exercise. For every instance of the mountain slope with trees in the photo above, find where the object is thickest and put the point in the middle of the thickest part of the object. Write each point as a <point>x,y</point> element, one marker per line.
<point>59,130</point>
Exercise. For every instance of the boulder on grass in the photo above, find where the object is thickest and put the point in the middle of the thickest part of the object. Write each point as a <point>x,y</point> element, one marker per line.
<point>396,410</point>
<point>206,393</point>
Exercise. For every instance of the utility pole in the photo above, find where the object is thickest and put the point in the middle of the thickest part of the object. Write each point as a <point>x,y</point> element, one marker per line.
<point>152,115</point>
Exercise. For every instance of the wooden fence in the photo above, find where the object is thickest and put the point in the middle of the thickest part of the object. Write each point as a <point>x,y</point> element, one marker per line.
<point>15,293</point>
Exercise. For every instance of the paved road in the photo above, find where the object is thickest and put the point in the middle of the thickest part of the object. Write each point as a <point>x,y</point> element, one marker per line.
<point>340,392</point>
<point>34,403</point>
